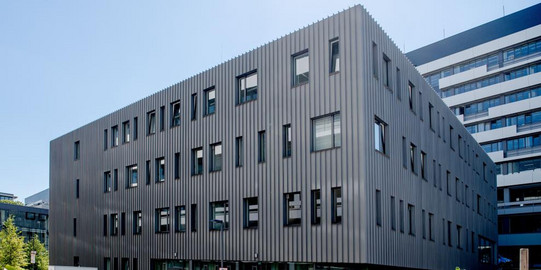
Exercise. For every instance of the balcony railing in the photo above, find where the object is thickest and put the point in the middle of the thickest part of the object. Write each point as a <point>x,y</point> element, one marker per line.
<point>519,204</point>
<point>529,127</point>
<point>475,115</point>
<point>523,151</point>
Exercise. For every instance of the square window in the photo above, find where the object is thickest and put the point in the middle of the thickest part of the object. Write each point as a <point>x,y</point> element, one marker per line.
<point>197,161</point>
<point>301,68</point>
<point>151,122</point>
<point>326,132</point>
<point>219,215</point>
<point>316,207</point>
<point>215,157</point>
<point>175,114</point>
<point>126,132</point>
<point>247,87</point>
<point>160,169</point>
<point>336,205</point>
<point>251,212</point>
<point>210,101</point>
<point>292,208</point>
<point>334,49</point>
<point>131,176</point>
<point>162,220</point>
<point>380,136</point>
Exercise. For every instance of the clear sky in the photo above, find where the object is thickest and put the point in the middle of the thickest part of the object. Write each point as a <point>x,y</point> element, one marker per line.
<point>66,63</point>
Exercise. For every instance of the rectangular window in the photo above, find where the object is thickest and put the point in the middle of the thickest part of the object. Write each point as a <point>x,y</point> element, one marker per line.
<point>443,231</point>
<point>123,223</point>
<point>423,165</point>
<point>175,114</point>
<point>380,136</point>
<point>251,212</point>
<point>460,146</point>
<point>478,204</point>
<point>77,189</point>
<point>292,208</point>
<point>107,263</point>
<point>115,263</point>
<point>398,85</point>
<point>316,207</point>
<point>401,210</point>
<point>431,226</point>
<point>458,236</point>
<point>104,225</point>
<point>334,53</point>
<point>451,129</point>
<point>378,207</point>
<point>160,170</point>
<point>76,150</point>
<point>375,59</point>
<point>386,71</point>
<point>449,235</point>
<point>134,266</point>
<point>420,102</point>
<point>336,210</point>
<point>326,132</point>
<point>105,139</point>
<point>126,132</point>
<point>413,151</point>
<point>210,101</point>
<point>431,116</point>
<point>193,214</point>
<point>137,222</point>
<point>135,128</point>
<point>114,136</point>
<point>74,227</point>
<point>449,183</point>
<point>247,87</point>
<point>485,172</point>
<point>147,168</point>
<point>180,218</point>
<point>125,263</point>
<point>434,173</point>
<point>261,147</point>
<point>197,161</point>
<point>301,69</point>
<point>162,220</point>
<point>215,157</point>
<point>177,166</point>
<point>457,189</point>
<point>194,106</point>
<point>466,192</point>
<point>239,152</point>
<point>393,214</point>
<point>286,138</point>
<point>219,215</point>
<point>115,179</point>
<point>114,224</point>
<point>424,223</point>
<point>411,219</point>
<point>162,118</point>
<point>151,122</point>
<point>107,184</point>
<point>404,153</point>
<point>411,96</point>
<point>131,176</point>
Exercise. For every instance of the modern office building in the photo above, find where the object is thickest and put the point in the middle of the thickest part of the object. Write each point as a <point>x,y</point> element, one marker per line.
<point>40,199</point>
<point>29,220</point>
<point>490,77</point>
<point>7,196</point>
<point>322,148</point>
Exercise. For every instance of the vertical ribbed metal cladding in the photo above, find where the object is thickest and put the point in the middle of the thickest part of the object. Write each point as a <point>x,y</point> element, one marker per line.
<point>355,166</point>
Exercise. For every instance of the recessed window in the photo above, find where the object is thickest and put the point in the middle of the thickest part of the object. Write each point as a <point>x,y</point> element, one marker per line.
<point>449,234</point>
<point>431,116</point>
<point>137,222</point>
<point>219,215</point>
<point>135,128</point>
<point>301,69</point>
<point>326,132</point>
<point>177,166</point>
<point>423,165</point>
<point>114,224</point>
<point>457,189</point>
<point>423,216</point>
<point>162,118</point>
<point>393,213</point>
<point>107,183</point>
<point>114,136</point>
<point>125,263</point>
<point>148,172</point>
<point>175,114</point>
<point>386,71</point>
<point>215,157</point>
<point>251,212</point>
<point>292,208</point>
<point>180,218</point>
<point>375,59</point>
<point>261,146</point>
<point>378,207</point>
<point>126,132</point>
<point>247,87</point>
<point>334,55</point>
<point>105,139</point>
<point>104,225</point>
<point>431,226</point>
<point>160,169</point>
<point>210,101</point>
<point>411,219</point>
<point>451,134</point>
<point>380,136</point>
<point>77,189</point>
<point>74,227</point>
<point>398,85</point>
<point>193,214</point>
<point>459,236</point>
<point>239,152</point>
<point>336,210</point>
<point>123,223</point>
<point>404,153</point>
<point>76,150</point>
<point>401,212</point>
<point>197,161</point>
<point>316,206</point>
<point>413,151</point>
<point>115,179</point>
<point>162,220</point>
<point>449,183</point>
<point>411,96</point>
<point>131,176</point>
<point>194,106</point>
<point>286,138</point>
<point>151,122</point>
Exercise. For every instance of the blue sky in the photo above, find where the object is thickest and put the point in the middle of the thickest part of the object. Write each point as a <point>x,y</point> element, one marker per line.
<point>66,63</point>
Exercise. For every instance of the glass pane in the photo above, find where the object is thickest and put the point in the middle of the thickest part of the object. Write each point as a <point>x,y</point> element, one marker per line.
<point>337,137</point>
<point>322,133</point>
<point>301,65</point>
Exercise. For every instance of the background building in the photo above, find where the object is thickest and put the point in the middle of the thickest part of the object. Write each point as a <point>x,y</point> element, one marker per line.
<point>29,220</point>
<point>490,77</point>
<point>324,147</point>
<point>40,199</point>
<point>7,196</point>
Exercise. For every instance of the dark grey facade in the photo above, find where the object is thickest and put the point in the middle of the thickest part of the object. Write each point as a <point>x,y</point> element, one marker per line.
<point>29,220</point>
<point>377,207</point>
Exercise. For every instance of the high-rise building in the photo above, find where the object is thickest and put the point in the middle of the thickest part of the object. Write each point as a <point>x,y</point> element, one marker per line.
<point>324,148</point>
<point>490,77</point>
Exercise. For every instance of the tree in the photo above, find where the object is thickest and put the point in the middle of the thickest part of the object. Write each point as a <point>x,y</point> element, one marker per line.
<point>42,256</point>
<point>11,202</point>
<point>11,246</point>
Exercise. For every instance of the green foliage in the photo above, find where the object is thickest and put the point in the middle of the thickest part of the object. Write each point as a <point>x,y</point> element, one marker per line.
<point>11,246</point>
<point>12,202</point>
<point>42,256</point>
<point>9,267</point>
